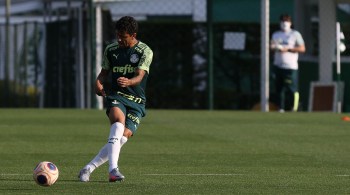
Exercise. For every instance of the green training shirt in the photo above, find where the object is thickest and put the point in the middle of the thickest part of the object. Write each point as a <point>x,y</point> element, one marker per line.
<point>122,62</point>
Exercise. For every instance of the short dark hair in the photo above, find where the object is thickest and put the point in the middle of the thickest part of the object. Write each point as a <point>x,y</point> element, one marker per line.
<point>285,17</point>
<point>127,24</point>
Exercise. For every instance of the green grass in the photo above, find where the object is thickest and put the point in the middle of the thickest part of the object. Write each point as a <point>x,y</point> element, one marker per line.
<point>180,152</point>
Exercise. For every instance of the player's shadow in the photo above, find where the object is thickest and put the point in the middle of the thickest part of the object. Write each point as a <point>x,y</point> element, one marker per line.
<point>16,189</point>
<point>77,181</point>
<point>14,179</point>
<point>59,180</point>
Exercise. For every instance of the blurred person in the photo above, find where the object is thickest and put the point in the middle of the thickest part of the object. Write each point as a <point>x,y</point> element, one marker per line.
<point>128,60</point>
<point>286,43</point>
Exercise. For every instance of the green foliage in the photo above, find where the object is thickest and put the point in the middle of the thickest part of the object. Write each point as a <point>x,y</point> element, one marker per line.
<point>180,152</point>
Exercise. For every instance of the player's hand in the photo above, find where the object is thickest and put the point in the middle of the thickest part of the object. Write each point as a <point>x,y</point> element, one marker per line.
<point>123,82</point>
<point>100,91</point>
<point>278,47</point>
<point>283,49</point>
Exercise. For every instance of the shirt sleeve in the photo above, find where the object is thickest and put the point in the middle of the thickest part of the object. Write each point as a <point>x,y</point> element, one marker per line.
<point>146,60</point>
<point>105,61</point>
<point>299,39</point>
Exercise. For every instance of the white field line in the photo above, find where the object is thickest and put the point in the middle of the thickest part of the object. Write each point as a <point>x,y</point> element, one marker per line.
<point>191,174</point>
<point>208,174</point>
<point>12,174</point>
<point>155,174</point>
<point>171,174</point>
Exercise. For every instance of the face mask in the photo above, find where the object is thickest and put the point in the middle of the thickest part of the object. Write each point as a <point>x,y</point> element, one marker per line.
<point>285,26</point>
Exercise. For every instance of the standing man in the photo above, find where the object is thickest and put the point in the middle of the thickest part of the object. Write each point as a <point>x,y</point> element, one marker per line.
<point>287,43</point>
<point>128,60</point>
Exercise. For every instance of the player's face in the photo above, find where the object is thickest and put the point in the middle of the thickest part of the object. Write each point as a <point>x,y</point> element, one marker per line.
<point>285,25</point>
<point>125,39</point>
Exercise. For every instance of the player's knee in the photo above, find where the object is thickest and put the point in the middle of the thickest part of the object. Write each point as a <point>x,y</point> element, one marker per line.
<point>127,133</point>
<point>116,115</point>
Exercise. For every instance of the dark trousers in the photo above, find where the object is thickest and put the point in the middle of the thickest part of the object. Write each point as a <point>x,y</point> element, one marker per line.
<point>286,83</point>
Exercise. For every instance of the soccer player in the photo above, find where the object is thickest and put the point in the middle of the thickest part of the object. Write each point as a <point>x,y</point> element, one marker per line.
<point>128,60</point>
<point>287,43</point>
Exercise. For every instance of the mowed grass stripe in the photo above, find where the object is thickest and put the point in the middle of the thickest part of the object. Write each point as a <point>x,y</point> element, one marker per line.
<point>180,151</point>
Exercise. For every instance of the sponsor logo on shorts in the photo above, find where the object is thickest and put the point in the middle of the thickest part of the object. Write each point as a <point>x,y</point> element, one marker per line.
<point>115,102</point>
<point>134,118</point>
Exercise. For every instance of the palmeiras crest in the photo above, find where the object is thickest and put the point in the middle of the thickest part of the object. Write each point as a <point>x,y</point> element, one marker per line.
<point>134,58</point>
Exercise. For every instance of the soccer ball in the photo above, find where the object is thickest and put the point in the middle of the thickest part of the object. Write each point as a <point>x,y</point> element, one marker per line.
<point>45,173</point>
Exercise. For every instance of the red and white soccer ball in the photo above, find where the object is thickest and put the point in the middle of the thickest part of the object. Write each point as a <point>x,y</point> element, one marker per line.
<point>45,173</point>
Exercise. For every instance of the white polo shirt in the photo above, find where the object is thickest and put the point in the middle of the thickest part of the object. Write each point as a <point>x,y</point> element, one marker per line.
<point>290,39</point>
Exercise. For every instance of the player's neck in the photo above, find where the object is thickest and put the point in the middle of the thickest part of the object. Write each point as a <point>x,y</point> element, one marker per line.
<point>135,42</point>
<point>287,31</point>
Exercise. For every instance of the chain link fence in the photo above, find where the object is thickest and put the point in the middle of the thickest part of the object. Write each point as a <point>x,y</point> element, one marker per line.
<point>50,63</point>
<point>22,80</point>
<point>42,62</point>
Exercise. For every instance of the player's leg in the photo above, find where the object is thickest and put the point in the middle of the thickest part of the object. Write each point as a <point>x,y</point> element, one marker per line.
<point>279,88</point>
<point>132,121</point>
<point>115,174</point>
<point>292,88</point>
<point>98,160</point>
<point>296,102</point>
<point>117,120</point>
<point>102,156</point>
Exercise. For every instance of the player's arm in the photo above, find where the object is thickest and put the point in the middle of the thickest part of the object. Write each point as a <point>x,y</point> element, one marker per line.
<point>103,75</point>
<point>300,44</point>
<point>275,46</point>
<point>299,49</point>
<point>140,71</point>
<point>296,49</point>
<point>101,78</point>
<point>125,82</point>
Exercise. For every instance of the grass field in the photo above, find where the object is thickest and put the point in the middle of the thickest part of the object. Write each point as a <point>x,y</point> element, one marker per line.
<point>180,152</point>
